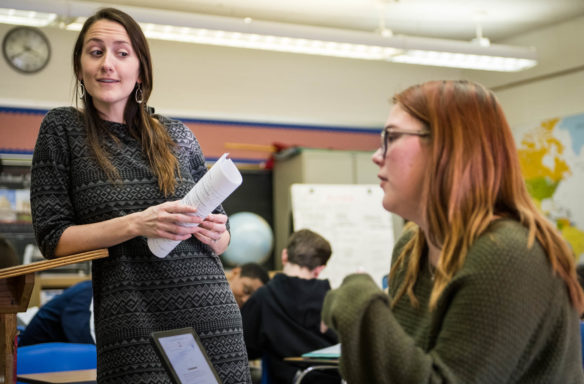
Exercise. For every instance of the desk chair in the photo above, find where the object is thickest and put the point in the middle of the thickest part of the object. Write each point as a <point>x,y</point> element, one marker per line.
<point>265,375</point>
<point>314,368</point>
<point>55,357</point>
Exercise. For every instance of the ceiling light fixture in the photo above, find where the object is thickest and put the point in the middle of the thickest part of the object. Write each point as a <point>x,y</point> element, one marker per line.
<point>28,18</point>
<point>248,33</point>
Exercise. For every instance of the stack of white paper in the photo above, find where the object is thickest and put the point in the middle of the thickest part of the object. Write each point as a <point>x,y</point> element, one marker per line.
<point>332,352</point>
<point>218,183</point>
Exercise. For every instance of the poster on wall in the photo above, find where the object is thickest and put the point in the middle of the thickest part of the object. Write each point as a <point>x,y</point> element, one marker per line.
<point>15,206</point>
<point>551,153</point>
<point>353,220</point>
<point>14,194</point>
<point>15,209</point>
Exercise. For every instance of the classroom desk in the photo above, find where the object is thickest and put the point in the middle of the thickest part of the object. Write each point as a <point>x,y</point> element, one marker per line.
<point>84,376</point>
<point>313,364</point>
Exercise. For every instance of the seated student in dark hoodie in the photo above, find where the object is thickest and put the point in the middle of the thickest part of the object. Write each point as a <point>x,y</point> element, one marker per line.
<point>66,318</point>
<point>282,318</point>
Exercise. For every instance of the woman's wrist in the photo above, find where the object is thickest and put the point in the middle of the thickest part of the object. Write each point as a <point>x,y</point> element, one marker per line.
<point>131,224</point>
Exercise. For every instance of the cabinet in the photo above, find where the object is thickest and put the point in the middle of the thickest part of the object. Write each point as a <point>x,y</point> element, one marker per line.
<point>317,166</point>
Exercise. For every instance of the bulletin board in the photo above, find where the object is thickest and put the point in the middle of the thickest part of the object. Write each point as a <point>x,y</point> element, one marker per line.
<point>353,220</point>
<point>15,211</point>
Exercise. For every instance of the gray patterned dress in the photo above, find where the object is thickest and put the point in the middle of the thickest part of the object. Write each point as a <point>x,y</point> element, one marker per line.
<point>135,292</point>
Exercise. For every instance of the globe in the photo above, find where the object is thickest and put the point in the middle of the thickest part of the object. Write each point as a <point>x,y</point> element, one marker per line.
<point>251,240</point>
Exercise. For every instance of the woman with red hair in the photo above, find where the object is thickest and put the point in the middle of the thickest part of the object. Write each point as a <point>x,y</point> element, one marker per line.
<point>483,289</point>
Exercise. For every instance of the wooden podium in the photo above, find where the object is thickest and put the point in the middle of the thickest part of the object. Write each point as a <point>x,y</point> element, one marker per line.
<point>16,284</point>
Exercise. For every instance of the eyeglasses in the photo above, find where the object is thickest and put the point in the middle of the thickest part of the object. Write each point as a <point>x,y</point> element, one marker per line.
<point>388,136</point>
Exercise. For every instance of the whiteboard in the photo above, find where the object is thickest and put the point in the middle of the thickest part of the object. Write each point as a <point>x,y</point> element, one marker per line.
<point>353,220</point>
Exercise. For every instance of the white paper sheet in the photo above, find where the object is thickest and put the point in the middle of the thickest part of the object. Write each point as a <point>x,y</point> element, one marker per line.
<point>218,183</point>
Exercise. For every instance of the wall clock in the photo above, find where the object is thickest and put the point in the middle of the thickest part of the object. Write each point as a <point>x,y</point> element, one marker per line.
<point>26,49</point>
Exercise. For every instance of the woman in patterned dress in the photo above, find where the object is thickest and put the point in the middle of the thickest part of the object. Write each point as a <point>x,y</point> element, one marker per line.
<point>110,175</point>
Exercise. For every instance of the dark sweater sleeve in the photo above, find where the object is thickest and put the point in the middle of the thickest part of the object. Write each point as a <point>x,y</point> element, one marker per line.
<point>374,347</point>
<point>497,316</point>
<point>52,209</point>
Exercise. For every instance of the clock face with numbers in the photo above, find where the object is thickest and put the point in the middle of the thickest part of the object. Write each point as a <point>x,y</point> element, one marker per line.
<point>26,49</point>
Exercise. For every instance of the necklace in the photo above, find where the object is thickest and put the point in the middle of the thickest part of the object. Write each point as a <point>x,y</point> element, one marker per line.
<point>432,270</point>
<point>431,267</point>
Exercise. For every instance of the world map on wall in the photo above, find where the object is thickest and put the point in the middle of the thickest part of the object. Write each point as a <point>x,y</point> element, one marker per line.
<point>552,161</point>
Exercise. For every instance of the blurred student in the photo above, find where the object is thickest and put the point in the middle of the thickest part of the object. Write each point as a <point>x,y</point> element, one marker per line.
<point>68,316</point>
<point>282,318</point>
<point>65,318</point>
<point>245,280</point>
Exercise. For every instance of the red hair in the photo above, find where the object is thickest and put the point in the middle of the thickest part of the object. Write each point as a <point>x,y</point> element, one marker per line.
<point>473,177</point>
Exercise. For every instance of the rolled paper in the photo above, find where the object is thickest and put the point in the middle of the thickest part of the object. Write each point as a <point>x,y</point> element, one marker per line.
<point>215,186</point>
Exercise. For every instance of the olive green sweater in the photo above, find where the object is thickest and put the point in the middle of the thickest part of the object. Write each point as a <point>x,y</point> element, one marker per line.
<point>503,318</point>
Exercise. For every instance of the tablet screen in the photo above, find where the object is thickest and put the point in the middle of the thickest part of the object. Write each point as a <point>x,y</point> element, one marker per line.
<point>184,357</point>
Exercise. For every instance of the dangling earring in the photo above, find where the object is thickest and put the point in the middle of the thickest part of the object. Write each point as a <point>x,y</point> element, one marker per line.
<point>139,95</point>
<point>81,90</point>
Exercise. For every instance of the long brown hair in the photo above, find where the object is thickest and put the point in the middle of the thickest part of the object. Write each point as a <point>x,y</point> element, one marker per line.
<point>474,176</point>
<point>157,145</point>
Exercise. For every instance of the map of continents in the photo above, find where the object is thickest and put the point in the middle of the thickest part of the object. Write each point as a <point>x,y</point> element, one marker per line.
<point>552,160</point>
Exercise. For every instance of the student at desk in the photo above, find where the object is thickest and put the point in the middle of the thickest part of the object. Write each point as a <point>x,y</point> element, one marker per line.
<point>282,318</point>
<point>245,280</point>
<point>483,288</point>
<point>66,318</point>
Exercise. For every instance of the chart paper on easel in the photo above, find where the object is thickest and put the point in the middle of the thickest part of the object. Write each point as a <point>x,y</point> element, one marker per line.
<point>353,220</point>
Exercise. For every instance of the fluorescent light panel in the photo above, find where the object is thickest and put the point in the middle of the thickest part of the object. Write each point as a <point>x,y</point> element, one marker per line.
<point>460,60</point>
<point>267,42</point>
<point>256,41</point>
<point>28,18</point>
<point>338,49</point>
<point>320,41</point>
